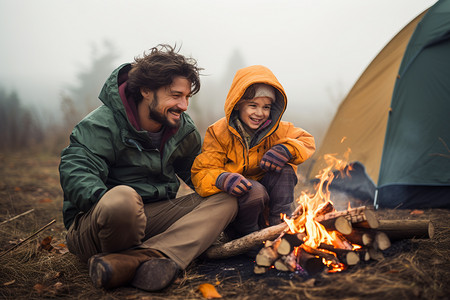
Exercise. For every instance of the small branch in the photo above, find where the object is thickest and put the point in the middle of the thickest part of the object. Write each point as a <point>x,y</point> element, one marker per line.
<point>34,234</point>
<point>18,216</point>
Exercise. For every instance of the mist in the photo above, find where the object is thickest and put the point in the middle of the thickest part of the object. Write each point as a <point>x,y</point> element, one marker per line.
<point>60,52</point>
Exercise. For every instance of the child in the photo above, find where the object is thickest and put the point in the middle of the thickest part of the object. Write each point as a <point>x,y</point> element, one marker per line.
<point>251,154</point>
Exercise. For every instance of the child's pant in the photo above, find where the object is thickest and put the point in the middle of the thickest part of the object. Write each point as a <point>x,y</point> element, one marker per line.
<point>273,193</point>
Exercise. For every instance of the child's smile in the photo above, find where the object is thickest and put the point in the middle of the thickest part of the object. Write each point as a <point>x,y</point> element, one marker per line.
<point>255,112</point>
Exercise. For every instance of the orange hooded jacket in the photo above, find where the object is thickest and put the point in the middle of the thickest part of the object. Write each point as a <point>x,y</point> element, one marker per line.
<point>223,148</point>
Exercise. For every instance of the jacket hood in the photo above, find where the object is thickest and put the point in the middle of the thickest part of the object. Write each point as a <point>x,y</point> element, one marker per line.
<point>248,76</point>
<point>111,96</point>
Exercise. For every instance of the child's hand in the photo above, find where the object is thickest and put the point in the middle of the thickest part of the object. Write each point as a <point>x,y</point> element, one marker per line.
<point>233,183</point>
<point>275,158</point>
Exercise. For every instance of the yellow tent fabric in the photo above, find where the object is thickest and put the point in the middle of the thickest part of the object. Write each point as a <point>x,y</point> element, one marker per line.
<point>361,120</point>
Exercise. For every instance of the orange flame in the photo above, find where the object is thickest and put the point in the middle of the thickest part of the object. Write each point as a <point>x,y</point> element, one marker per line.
<point>310,205</point>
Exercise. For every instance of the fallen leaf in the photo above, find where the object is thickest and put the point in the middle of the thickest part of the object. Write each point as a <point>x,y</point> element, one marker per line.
<point>52,275</point>
<point>45,200</point>
<point>46,244</point>
<point>208,291</point>
<point>9,282</point>
<point>416,212</point>
<point>60,249</point>
<point>39,288</point>
<point>57,288</point>
<point>17,189</point>
<point>394,271</point>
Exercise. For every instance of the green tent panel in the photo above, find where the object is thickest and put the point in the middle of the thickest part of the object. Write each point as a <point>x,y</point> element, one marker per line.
<point>415,166</point>
<point>396,118</point>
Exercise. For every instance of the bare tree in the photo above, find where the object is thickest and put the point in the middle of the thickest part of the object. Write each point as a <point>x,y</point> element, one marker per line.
<point>82,97</point>
<point>19,126</point>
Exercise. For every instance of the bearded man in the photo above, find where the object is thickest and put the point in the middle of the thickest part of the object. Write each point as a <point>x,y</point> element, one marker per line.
<point>121,173</point>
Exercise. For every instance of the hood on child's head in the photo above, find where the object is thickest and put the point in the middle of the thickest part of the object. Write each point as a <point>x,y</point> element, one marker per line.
<point>256,75</point>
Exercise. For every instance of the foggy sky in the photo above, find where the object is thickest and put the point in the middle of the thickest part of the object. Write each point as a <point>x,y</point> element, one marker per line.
<point>317,49</point>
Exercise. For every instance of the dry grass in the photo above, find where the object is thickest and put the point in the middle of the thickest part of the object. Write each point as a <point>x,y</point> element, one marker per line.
<point>411,269</point>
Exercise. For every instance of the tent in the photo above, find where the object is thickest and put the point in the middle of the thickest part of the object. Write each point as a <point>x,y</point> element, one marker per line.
<point>396,118</point>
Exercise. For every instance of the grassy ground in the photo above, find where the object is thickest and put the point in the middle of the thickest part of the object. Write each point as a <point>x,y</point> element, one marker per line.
<point>411,269</point>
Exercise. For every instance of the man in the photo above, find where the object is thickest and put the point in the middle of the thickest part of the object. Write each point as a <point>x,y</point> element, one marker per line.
<point>120,177</point>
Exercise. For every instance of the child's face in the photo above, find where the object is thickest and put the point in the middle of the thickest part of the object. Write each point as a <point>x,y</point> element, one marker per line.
<point>255,112</point>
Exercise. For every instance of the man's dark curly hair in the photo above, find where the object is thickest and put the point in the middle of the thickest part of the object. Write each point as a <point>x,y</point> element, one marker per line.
<point>158,68</point>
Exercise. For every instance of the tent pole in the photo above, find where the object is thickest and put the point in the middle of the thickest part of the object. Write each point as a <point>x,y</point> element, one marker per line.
<point>375,198</point>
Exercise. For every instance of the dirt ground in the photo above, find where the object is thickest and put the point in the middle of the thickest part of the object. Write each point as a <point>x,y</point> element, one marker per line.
<point>35,264</point>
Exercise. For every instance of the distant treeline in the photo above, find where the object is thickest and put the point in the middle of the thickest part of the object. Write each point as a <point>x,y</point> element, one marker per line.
<point>19,126</point>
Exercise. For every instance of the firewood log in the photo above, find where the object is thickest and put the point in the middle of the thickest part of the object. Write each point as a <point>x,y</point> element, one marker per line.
<point>280,265</point>
<point>365,219</point>
<point>290,261</point>
<point>381,241</point>
<point>359,236</point>
<point>245,243</point>
<point>407,229</point>
<point>310,263</point>
<point>363,254</point>
<point>345,256</point>
<point>326,208</point>
<point>341,242</point>
<point>359,217</point>
<point>327,256</point>
<point>268,254</point>
<point>338,223</point>
<point>286,262</point>
<point>375,254</point>
<point>260,269</point>
<point>289,242</point>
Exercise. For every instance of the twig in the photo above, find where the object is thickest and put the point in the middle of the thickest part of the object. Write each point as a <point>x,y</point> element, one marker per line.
<point>17,245</point>
<point>13,218</point>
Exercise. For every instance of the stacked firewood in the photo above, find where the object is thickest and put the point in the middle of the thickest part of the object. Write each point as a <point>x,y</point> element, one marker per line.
<point>359,236</point>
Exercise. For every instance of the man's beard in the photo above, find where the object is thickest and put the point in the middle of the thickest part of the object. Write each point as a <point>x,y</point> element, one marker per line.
<point>157,116</point>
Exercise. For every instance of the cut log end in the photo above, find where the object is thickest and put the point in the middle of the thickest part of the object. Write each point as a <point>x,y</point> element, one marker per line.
<point>343,225</point>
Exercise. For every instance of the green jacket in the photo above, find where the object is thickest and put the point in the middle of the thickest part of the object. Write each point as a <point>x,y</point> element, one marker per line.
<point>105,150</point>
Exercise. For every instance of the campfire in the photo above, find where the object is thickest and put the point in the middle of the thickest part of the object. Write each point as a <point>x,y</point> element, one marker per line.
<point>320,237</point>
<point>317,237</point>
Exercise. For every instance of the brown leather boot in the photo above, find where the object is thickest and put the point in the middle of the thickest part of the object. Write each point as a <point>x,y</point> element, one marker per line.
<point>155,274</point>
<point>117,269</point>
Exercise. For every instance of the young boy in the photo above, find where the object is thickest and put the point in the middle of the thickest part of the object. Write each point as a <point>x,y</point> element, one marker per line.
<point>251,154</point>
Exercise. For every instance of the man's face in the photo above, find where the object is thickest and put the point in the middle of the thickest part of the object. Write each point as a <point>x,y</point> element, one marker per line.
<point>167,103</point>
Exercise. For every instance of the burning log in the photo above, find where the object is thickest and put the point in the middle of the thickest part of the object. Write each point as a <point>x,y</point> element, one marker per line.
<point>310,263</point>
<point>348,257</point>
<point>327,256</point>
<point>325,209</point>
<point>341,242</point>
<point>359,217</point>
<point>289,242</point>
<point>407,229</point>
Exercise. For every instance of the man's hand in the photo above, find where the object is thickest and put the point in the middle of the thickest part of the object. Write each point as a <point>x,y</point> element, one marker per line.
<point>233,183</point>
<point>275,158</point>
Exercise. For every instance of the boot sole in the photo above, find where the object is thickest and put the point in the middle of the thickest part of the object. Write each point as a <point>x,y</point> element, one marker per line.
<point>155,274</point>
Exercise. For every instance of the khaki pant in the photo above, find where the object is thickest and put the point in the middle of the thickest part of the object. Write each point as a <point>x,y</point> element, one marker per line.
<point>181,228</point>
